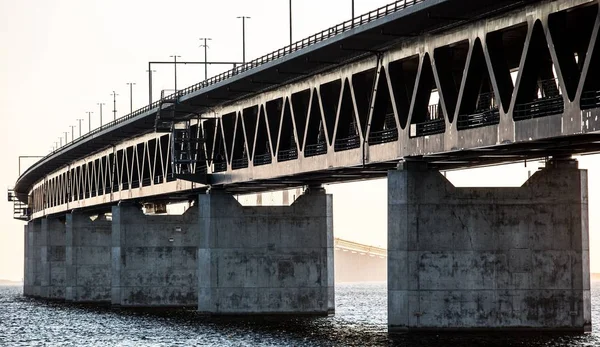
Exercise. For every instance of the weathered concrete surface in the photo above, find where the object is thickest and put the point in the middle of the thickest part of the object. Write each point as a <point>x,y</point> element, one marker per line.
<point>489,258</point>
<point>52,253</point>
<point>154,258</point>
<point>266,259</point>
<point>33,259</point>
<point>88,261</point>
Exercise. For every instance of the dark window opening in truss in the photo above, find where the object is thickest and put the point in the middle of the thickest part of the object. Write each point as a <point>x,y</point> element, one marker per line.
<point>153,160</point>
<point>72,181</point>
<point>428,116</point>
<point>383,122</point>
<point>198,155</point>
<point>262,146</point>
<point>300,102</point>
<point>403,74</point>
<point>209,127</point>
<point>87,170</point>
<point>96,178</point>
<point>330,99</point>
<point>539,92</point>
<point>363,84</point>
<point>478,106</point>
<point>138,158</point>
<point>220,155</point>
<point>101,176</point>
<point>287,148</point>
<point>110,172</point>
<point>130,159</point>
<point>274,108</point>
<point>169,172</point>
<point>316,141</point>
<point>346,134</point>
<point>163,143</point>
<point>571,31</point>
<point>118,173</point>
<point>450,64</point>
<point>590,96</point>
<point>250,117</point>
<point>146,165</point>
<point>505,48</point>
<point>239,150</point>
<point>228,124</point>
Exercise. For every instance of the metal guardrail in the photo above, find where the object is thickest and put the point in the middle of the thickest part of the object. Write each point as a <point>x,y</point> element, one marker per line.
<point>241,163</point>
<point>434,123</point>
<point>315,149</point>
<point>347,143</point>
<point>220,167</point>
<point>539,108</point>
<point>480,118</point>
<point>590,99</point>
<point>262,159</point>
<point>383,136</point>
<point>289,49</point>
<point>287,154</point>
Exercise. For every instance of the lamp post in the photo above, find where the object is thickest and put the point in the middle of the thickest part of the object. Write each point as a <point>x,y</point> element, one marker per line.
<point>290,22</point>
<point>89,113</point>
<point>72,132</point>
<point>205,45</point>
<point>60,140</point>
<point>101,104</point>
<point>114,95</point>
<point>66,139</point>
<point>352,10</point>
<point>243,37</point>
<point>150,71</point>
<point>130,84</point>
<point>79,120</point>
<point>174,56</point>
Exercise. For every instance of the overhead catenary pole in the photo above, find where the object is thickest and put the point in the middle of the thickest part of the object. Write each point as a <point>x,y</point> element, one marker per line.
<point>243,37</point>
<point>66,139</point>
<point>72,132</point>
<point>175,56</point>
<point>353,9</point>
<point>101,104</point>
<point>114,95</point>
<point>130,84</point>
<point>150,71</point>
<point>205,45</point>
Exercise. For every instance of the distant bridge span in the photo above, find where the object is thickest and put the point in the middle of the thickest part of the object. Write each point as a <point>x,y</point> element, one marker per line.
<point>456,83</point>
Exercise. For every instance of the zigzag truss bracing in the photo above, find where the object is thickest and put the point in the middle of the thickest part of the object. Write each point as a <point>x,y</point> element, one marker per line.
<point>531,74</point>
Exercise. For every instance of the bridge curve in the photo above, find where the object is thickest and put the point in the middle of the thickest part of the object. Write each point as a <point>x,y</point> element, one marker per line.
<point>265,106</point>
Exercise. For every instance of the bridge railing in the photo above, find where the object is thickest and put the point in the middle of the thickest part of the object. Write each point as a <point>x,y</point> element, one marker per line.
<point>294,47</point>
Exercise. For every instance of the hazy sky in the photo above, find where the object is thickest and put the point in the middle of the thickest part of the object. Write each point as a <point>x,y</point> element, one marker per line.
<point>61,57</point>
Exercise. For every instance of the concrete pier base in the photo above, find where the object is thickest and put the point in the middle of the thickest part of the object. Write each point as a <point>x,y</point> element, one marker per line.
<point>266,259</point>
<point>32,286</point>
<point>154,258</point>
<point>52,253</point>
<point>88,260</point>
<point>488,258</point>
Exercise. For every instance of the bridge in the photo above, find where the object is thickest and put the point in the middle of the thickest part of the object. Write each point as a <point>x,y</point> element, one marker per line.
<point>400,92</point>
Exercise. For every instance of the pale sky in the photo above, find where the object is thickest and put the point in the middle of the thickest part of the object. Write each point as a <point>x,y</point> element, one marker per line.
<point>61,57</point>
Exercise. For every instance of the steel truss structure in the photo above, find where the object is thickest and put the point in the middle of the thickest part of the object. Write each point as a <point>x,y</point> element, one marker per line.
<point>520,84</point>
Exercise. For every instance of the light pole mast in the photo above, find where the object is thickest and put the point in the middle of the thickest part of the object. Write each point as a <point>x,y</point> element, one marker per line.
<point>205,45</point>
<point>72,132</point>
<point>130,84</point>
<point>79,120</point>
<point>90,121</point>
<point>101,104</point>
<point>243,37</point>
<point>174,56</point>
<point>290,22</point>
<point>114,95</point>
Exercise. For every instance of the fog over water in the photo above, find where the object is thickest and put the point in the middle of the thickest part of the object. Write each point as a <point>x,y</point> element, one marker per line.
<point>360,320</point>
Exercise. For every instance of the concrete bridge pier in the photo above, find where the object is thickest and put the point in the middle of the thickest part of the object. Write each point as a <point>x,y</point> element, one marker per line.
<point>33,260</point>
<point>488,258</point>
<point>88,257</point>
<point>266,259</point>
<point>52,253</point>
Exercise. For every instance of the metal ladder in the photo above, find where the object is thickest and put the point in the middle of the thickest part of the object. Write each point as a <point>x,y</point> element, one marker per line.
<point>21,210</point>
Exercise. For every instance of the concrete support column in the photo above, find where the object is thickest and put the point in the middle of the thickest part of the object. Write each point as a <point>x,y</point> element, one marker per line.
<point>154,258</point>
<point>52,253</point>
<point>88,258</point>
<point>33,269</point>
<point>28,263</point>
<point>266,259</point>
<point>488,258</point>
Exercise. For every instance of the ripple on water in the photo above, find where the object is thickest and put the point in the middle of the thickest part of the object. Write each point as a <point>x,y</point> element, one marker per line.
<point>360,320</point>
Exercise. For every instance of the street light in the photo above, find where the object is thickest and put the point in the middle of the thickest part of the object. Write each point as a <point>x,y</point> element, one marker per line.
<point>72,132</point>
<point>66,140</point>
<point>290,22</point>
<point>114,95</point>
<point>205,45</point>
<point>79,120</point>
<point>100,104</point>
<point>352,10</point>
<point>175,65</point>
<point>60,140</point>
<point>89,113</point>
<point>243,37</point>
<point>130,84</point>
